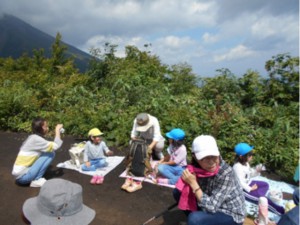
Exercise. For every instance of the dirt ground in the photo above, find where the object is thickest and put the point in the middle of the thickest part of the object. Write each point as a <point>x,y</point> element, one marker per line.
<point>112,205</point>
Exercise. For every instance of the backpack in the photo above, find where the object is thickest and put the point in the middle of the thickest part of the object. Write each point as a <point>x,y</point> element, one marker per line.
<point>76,153</point>
<point>137,160</point>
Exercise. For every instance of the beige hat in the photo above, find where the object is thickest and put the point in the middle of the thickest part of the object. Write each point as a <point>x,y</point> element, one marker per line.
<point>143,122</point>
<point>205,145</point>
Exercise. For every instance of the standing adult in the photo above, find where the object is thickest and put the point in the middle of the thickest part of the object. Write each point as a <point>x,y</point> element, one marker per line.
<point>146,126</point>
<point>36,154</point>
<point>208,189</point>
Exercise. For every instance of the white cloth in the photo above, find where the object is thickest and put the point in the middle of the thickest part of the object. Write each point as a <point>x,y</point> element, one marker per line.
<point>112,162</point>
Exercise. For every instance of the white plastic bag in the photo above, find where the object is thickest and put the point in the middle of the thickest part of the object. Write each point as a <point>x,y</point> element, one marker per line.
<point>76,153</point>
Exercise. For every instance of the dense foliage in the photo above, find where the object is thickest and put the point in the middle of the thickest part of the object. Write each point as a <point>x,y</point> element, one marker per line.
<point>262,111</point>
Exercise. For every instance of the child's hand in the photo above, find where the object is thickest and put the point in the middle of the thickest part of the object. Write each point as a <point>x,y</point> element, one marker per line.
<point>88,164</point>
<point>254,187</point>
<point>110,153</point>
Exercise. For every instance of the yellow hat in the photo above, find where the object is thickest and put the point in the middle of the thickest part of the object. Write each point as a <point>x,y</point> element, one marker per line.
<point>95,132</point>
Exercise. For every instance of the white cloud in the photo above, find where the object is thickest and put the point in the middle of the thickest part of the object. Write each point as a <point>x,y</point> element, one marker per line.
<point>237,52</point>
<point>209,38</point>
<point>204,33</point>
<point>276,26</point>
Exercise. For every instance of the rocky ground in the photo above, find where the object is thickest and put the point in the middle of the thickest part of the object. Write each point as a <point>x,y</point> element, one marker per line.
<point>112,205</point>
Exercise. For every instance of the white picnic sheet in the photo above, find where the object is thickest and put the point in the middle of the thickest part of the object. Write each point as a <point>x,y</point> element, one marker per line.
<point>112,162</point>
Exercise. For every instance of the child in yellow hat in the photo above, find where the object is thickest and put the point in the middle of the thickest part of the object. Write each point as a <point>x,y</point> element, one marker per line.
<point>95,152</point>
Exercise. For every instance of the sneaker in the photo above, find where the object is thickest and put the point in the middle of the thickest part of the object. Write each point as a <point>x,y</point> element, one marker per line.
<point>94,180</point>
<point>162,181</point>
<point>127,183</point>
<point>38,183</point>
<point>100,180</point>
<point>134,187</point>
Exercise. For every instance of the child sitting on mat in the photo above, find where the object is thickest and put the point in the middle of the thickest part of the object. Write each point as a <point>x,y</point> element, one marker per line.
<point>95,152</point>
<point>173,164</point>
<point>253,189</point>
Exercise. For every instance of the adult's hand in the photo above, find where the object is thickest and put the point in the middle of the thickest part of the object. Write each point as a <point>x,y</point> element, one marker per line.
<point>189,177</point>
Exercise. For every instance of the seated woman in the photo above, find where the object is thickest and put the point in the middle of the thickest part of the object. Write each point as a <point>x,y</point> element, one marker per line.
<point>208,190</point>
<point>252,189</point>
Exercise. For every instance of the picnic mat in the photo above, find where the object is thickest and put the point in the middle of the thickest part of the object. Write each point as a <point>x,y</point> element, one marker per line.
<point>252,209</point>
<point>146,179</point>
<point>112,162</point>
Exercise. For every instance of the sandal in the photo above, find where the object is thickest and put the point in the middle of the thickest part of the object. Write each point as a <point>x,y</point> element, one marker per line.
<point>127,183</point>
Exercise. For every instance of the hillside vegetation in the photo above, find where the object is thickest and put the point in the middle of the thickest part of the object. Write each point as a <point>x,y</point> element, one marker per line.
<point>262,111</point>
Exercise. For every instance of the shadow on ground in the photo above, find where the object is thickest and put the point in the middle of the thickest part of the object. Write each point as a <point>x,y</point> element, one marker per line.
<point>112,205</point>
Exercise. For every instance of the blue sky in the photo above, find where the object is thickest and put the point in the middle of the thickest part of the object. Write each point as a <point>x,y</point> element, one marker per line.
<point>206,34</point>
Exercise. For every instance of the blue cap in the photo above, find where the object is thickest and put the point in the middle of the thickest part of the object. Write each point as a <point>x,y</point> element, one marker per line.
<point>242,148</point>
<point>176,134</point>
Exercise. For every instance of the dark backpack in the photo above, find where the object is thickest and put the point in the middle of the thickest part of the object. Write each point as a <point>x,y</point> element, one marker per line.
<point>137,160</point>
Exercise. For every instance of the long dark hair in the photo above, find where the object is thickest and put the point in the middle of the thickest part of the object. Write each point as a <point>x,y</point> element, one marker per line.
<point>194,162</point>
<point>37,126</point>
<point>243,159</point>
<point>177,144</point>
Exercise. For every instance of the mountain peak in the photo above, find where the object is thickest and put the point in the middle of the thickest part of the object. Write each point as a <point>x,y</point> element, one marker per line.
<point>18,37</point>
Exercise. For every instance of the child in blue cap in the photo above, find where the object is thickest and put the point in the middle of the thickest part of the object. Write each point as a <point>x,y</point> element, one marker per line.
<point>253,189</point>
<point>173,164</point>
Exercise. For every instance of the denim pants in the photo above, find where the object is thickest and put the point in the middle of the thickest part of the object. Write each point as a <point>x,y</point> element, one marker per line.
<point>95,164</point>
<point>173,173</point>
<point>205,218</point>
<point>38,168</point>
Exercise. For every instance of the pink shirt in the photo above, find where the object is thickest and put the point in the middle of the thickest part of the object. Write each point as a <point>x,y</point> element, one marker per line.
<point>178,155</point>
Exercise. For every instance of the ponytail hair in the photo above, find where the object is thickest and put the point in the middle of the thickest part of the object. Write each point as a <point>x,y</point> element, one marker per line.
<point>37,126</point>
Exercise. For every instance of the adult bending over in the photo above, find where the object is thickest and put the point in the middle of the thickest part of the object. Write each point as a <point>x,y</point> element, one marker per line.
<point>208,190</point>
<point>146,126</point>
<point>36,154</point>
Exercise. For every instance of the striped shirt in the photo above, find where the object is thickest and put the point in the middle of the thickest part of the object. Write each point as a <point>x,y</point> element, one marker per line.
<point>223,193</point>
<point>31,150</point>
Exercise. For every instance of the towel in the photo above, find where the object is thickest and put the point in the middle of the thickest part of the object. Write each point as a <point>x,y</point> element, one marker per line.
<point>187,199</point>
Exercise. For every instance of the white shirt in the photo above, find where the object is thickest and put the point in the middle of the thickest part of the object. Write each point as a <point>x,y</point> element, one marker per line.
<point>244,174</point>
<point>157,134</point>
